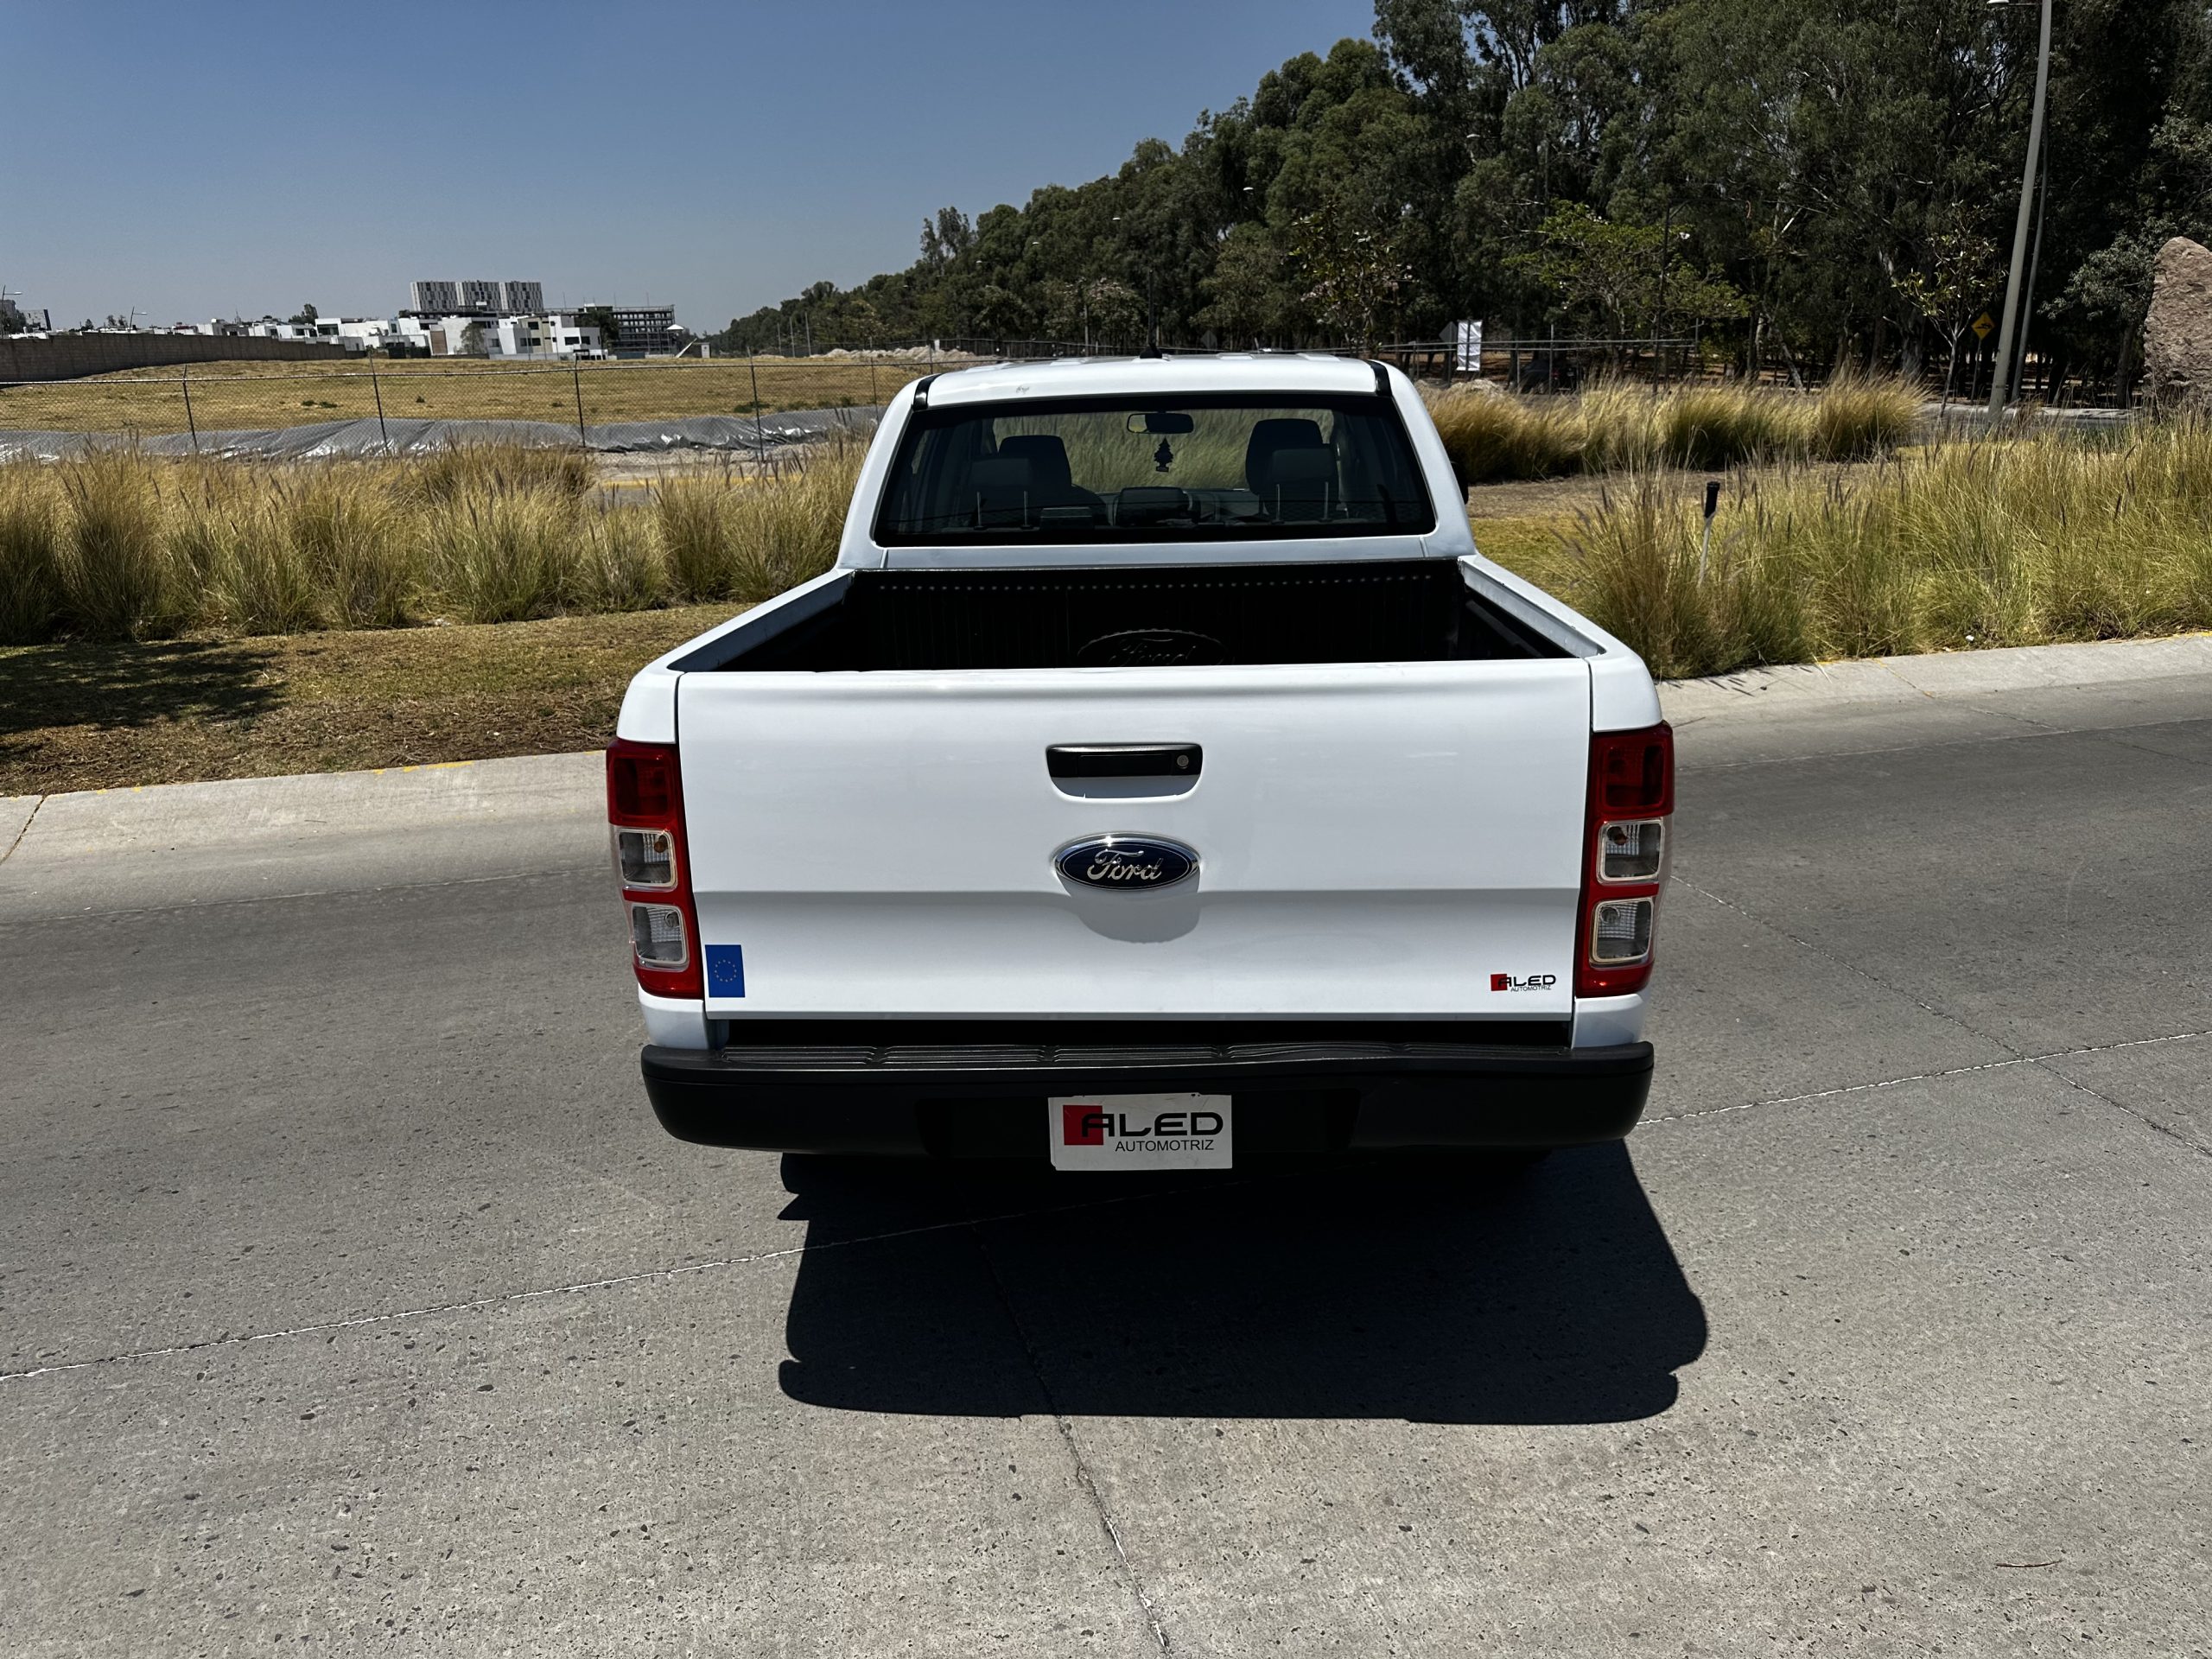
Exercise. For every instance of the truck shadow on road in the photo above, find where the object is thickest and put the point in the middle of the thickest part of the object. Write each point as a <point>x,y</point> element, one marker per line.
<point>1380,1292</point>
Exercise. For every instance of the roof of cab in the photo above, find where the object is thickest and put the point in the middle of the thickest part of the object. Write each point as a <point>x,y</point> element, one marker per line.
<point>1115,376</point>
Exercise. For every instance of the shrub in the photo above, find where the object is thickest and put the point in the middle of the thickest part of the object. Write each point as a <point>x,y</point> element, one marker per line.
<point>1855,419</point>
<point>469,470</point>
<point>692,517</point>
<point>504,557</point>
<point>353,543</point>
<point>258,583</point>
<point>785,528</point>
<point>1617,427</point>
<point>2024,541</point>
<point>622,569</point>
<point>119,580</point>
<point>30,557</point>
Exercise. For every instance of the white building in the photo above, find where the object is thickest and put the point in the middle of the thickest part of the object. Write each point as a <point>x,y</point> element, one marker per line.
<point>360,334</point>
<point>547,334</point>
<point>439,336</point>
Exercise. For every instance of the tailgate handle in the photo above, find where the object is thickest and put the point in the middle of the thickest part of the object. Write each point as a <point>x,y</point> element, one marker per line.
<point>1180,760</point>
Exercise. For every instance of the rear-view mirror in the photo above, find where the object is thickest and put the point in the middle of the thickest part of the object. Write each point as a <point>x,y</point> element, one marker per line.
<point>1161,423</point>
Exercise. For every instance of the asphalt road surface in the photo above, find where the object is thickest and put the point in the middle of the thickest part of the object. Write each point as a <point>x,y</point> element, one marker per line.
<point>350,1299</point>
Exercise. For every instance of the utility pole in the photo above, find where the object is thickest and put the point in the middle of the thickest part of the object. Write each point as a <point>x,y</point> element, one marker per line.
<point>1998,388</point>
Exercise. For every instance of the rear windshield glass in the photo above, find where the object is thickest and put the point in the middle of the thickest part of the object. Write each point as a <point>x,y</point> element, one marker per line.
<point>1120,471</point>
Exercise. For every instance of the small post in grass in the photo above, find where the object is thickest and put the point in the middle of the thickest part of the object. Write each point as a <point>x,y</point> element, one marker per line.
<point>1705,545</point>
<point>184,380</point>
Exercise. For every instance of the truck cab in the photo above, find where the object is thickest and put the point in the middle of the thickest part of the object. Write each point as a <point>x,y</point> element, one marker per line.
<point>1160,755</point>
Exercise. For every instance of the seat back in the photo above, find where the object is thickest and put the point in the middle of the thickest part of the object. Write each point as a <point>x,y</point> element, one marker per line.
<point>1298,487</point>
<point>1270,438</point>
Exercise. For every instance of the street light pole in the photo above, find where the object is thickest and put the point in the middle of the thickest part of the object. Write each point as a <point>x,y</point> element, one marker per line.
<point>1997,385</point>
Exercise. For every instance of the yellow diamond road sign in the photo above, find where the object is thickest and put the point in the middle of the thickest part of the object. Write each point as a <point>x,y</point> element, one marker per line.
<point>1982,325</point>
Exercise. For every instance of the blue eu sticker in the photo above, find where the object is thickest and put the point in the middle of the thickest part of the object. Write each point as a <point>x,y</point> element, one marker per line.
<point>725,970</point>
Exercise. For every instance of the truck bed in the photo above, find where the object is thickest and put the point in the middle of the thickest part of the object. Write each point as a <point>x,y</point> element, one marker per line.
<point>1403,611</point>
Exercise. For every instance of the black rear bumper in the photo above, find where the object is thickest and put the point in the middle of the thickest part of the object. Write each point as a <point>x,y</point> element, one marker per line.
<point>982,1099</point>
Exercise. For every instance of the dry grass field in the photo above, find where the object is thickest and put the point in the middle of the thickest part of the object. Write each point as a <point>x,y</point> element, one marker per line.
<point>253,396</point>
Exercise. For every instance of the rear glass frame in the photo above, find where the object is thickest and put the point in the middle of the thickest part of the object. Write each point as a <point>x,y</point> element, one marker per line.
<point>1416,515</point>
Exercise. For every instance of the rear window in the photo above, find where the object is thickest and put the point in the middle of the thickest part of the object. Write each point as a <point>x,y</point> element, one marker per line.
<point>1127,470</point>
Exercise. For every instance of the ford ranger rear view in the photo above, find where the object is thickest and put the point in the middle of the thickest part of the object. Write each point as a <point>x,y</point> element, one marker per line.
<point>1160,779</point>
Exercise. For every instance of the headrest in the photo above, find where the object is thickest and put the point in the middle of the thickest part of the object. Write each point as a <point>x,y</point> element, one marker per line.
<point>1300,466</point>
<point>999,476</point>
<point>1046,454</point>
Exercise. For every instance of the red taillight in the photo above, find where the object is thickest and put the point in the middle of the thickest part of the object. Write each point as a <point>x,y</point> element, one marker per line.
<point>645,814</point>
<point>1624,852</point>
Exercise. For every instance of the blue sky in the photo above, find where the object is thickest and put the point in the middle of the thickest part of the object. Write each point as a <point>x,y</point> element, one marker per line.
<point>196,160</point>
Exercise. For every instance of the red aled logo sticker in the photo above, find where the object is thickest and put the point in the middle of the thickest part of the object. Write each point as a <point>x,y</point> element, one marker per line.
<point>1532,982</point>
<point>1501,981</point>
<point>1082,1125</point>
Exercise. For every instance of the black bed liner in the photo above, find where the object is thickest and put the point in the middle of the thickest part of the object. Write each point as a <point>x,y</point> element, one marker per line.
<point>1411,610</point>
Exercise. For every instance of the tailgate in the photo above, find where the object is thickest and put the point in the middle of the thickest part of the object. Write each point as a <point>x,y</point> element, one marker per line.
<point>1373,840</point>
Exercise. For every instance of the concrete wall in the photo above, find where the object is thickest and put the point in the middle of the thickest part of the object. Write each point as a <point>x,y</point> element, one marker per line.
<point>64,357</point>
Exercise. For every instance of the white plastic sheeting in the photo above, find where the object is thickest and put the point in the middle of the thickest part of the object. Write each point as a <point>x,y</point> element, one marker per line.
<point>336,440</point>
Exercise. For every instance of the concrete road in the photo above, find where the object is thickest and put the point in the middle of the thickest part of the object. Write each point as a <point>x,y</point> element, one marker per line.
<point>351,1300</point>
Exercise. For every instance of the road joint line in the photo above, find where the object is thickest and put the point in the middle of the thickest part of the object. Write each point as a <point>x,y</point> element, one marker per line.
<point>1085,1483</point>
<point>1834,960</point>
<point>2147,1121</point>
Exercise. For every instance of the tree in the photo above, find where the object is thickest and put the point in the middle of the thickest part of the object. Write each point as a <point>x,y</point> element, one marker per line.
<point>1817,169</point>
<point>1248,297</point>
<point>1960,271</point>
<point>305,313</point>
<point>1355,274</point>
<point>601,317</point>
<point>1627,278</point>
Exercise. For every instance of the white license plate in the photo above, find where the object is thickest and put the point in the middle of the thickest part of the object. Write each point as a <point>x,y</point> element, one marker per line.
<point>1140,1131</point>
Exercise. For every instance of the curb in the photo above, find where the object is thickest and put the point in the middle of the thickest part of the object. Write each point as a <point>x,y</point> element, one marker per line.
<point>265,815</point>
<point>1831,687</point>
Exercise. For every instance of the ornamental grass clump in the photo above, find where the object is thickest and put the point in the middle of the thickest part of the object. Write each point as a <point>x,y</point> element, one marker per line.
<point>30,557</point>
<point>117,576</point>
<point>1618,427</point>
<point>2041,538</point>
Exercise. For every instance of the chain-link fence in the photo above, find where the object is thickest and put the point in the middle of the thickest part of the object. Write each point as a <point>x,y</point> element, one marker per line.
<point>378,406</point>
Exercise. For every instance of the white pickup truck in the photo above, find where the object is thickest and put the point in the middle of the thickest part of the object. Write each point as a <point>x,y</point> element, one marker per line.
<point>1160,779</point>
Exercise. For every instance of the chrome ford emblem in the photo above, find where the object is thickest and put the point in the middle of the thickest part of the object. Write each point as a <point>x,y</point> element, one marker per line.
<point>1125,864</point>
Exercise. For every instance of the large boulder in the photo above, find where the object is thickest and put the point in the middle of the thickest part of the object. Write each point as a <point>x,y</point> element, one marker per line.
<point>2178,332</point>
